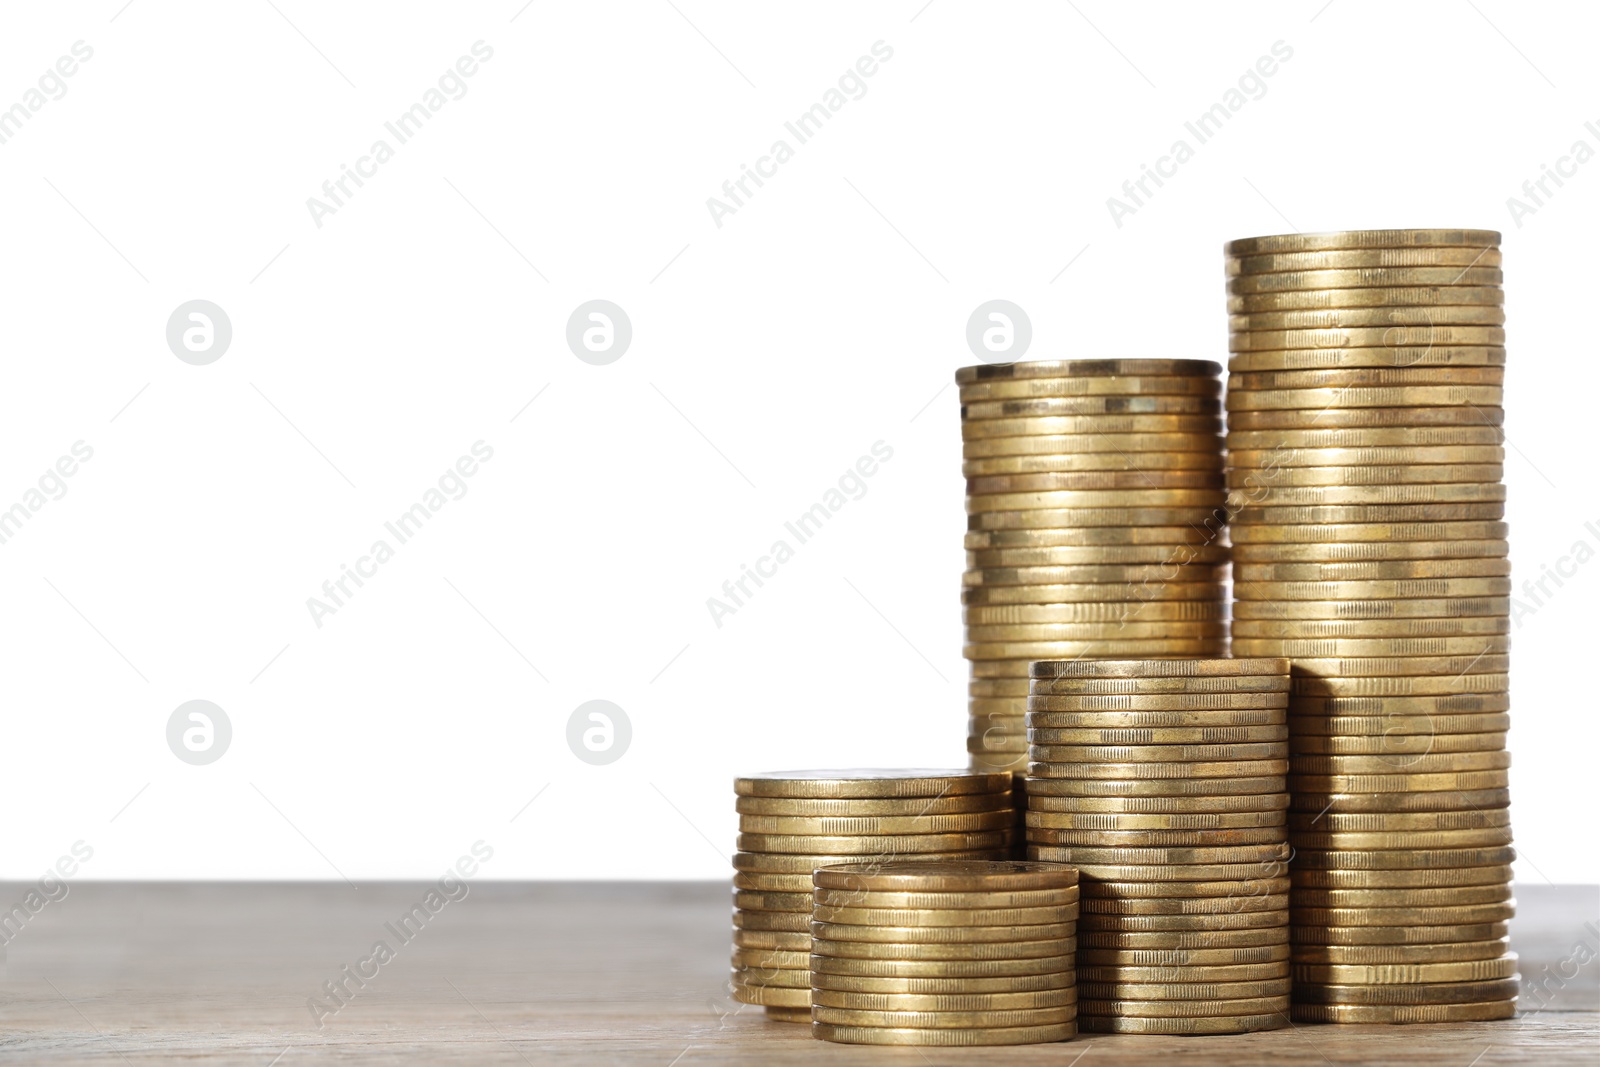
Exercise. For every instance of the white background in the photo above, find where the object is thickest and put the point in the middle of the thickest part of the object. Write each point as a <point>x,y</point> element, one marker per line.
<point>768,354</point>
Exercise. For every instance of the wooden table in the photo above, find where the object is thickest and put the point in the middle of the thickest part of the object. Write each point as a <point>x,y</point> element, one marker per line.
<point>570,973</point>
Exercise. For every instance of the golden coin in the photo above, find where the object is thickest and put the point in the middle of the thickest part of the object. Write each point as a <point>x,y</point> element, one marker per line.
<point>1286,479</point>
<point>1162,754</point>
<point>1248,905</point>
<point>1168,537</point>
<point>956,901</point>
<point>1364,278</point>
<point>1184,1010</point>
<point>1046,835</point>
<point>1401,898</point>
<point>870,844</point>
<point>1165,877</point>
<point>1329,240</point>
<point>876,825</point>
<point>919,877</point>
<point>1401,802</point>
<point>1096,613</point>
<point>1053,649</point>
<point>1057,555</point>
<point>1095,463</point>
<point>1397,744</point>
<point>967,1038</point>
<point>874,783</point>
<point>964,803</point>
<point>1343,318</point>
<point>1400,955</point>
<point>1183,735</point>
<point>1046,765</point>
<point>1410,608</point>
<point>1484,254</point>
<point>1053,406</point>
<point>1243,891</point>
<point>773,922</point>
<point>1119,385</point>
<point>1155,805</point>
<point>1132,631</point>
<point>768,959</point>
<point>1209,518</point>
<point>1347,337</point>
<point>1392,859</point>
<point>975,950</point>
<point>1072,425</point>
<point>1131,598</point>
<point>1082,856</point>
<point>1473,818</point>
<point>1119,444</point>
<point>1458,626</point>
<point>1366,377</point>
<point>861,967</point>
<point>1404,1013</point>
<point>1346,458</point>
<point>1199,668</point>
<point>753,900</point>
<point>1087,368</point>
<point>1371,570</point>
<point>899,1003</point>
<point>1201,990</point>
<point>1135,497</point>
<point>1369,513</point>
<point>1277,497</point>
<point>777,940</point>
<point>788,1015</point>
<point>1376,357</point>
<point>1271,681</point>
<point>1113,576</point>
<point>782,977</point>
<point>1134,977</point>
<point>1026,983</point>
<point>1497,682</point>
<point>1459,414</point>
<point>1376,646</point>
<point>1441,915</point>
<point>852,933</point>
<point>1392,296</point>
<point>771,996</point>
<point>804,864</point>
<point>1404,588</point>
<point>766,882</point>
<point>942,917</point>
<point>1183,957</point>
<point>1431,993</point>
<point>1445,781</point>
<point>1188,788</point>
<point>1096,922</point>
<point>1169,704</point>
<point>1480,665</point>
<point>1188,821</point>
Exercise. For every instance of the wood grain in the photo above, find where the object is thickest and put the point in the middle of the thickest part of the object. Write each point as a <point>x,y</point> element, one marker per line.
<point>576,973</point>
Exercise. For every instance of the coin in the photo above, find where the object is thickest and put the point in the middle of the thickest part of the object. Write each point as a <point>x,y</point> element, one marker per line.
<point>1347,239</point>
<point>1370,570</point>
<point>1364,278</point>
<point>1440,915</point>
<point>767,882</point>
<point>920,877</point>
<point>1096,613</point>
<point>753,900</point>
<point>1345,377</point>
<point>1045,765</point>
<point>1184,991</point>
<point>1397,822</point>
<point>1270,682</point>
<point>1158,669</point>
<point>1055,701</point>
<point>1401,858</point>
<point>1080,385</point>
<point>853,933</point>
<point>1295,495</point>
<point>1484,254</point>
<point>1370,513</point>
<point>771,996</point>
<point>1158,736</point>
<point>1007,650</point>
<point>1202,1008</point>
<point>1340,318</point>
<point>1242,891</point>
<point>976,1036</point>
<point>1249,899</point>
<point>1446,781</point>
<point>759,959</point>
<point>1182,976</point>
<point>1166,821</point>
<point>1404,1013</point>
<point>1169,537</point>
<point>1161,754</point>
<point>978,950</point>
<point>1071,425</point>
<point>772,922</point>
<point>778,940</point>
<point>957,902</point>
<point>788,1015</point>
<point>1398,744</point>
<point>1345,458</point>
<point>1459,713</point>
<point>1324,416</point>
<point>1133,444</point>
<point>1402,588</point>
<point>1374,296</point>
<point>805,863</point>
<point>1355,337</point>
<point>1397,935</point>
<point>1417,993</point>
<point>898,1003</point>
<point>878,784</point>
<point>1206,787</point>
<point>1084,368</point>
<point>1457,626</point>
<point>1196,857</point>
<point>782,977</point>
<point>798,807</point>
<point>1376,357</point>
<point>1093,922</point>
<point>869,844</point>
<point>844,983</point>
<point>1399,955</point>
<point>1400,898</point>
<point>975,917</point>
<point>1283,479</point>
<point>1182,957</point>
<point>877,825</point>
<point>1051,406</point>
<point>1044,835</point>
<point>1110,1024</point>
<point>1490,874</point>
<point>863,967</point>
<point>1145,497</point>
<point>1204,517</point>
<point>1270,442</point>
<point>1103,555</point>
<point>1095,462</point>
<point>1039,801</point>
<point>1129,631</point>
<point>1495,682</point>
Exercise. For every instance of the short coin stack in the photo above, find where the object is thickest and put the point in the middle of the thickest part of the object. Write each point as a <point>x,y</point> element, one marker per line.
<point>1094,496</point>
<point>792,822</point>
<point>1162,781</point>
<point>1365,468</point>
<point>944,953</point>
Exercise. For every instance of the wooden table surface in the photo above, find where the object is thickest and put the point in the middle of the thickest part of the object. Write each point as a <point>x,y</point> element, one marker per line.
<point>580,973</point>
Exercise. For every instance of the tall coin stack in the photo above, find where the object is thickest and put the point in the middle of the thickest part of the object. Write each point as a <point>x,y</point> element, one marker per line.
<point>1365,475</point>
<point>945,953</point>
<point>1162,781</point>
<point>792,822</point>
<point>1094,497</point>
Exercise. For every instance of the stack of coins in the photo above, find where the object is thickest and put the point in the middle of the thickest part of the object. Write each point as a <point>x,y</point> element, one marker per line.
<point>1365,468</point>
<point>945,953</point>
<point>792,822</point>
<point>1162,781</point>
<point>1094,502</point>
